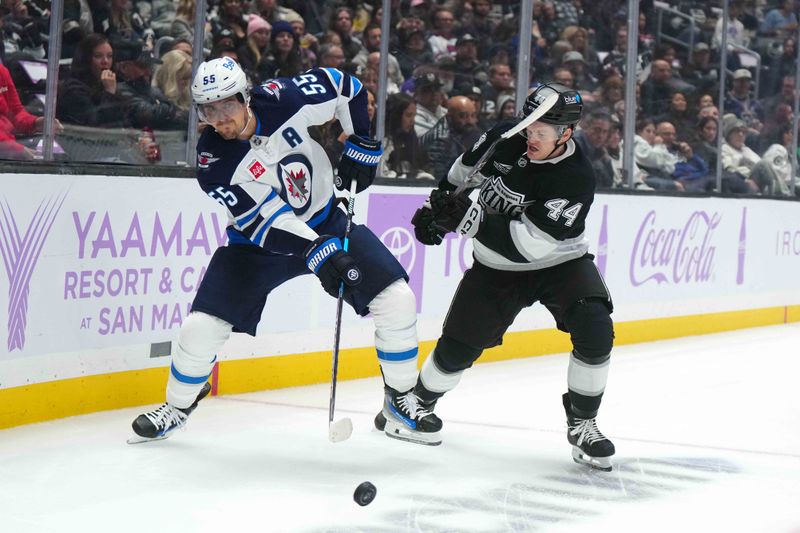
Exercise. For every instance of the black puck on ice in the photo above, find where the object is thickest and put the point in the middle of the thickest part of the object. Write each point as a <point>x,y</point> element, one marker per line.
<point>365,493</point>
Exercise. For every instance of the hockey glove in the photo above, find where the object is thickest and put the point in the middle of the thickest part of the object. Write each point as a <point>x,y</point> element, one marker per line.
<point>455,212</point>
<point>424,229</point>
<point>359,162</point>
<point>332,265</point>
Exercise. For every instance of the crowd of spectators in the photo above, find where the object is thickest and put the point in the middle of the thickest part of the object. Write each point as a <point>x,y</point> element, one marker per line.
<point>451,75</point>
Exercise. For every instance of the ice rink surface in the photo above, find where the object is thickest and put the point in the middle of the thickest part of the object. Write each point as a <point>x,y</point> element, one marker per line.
<point>707,431</point>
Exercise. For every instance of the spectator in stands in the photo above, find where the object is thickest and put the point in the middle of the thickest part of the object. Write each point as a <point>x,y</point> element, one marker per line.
<point>286,58</point>
<point>744,170</point>
<point>506,107</point>
<point>90,96</point>
<point>256,47</point>
<point>780,67</point>
<point>307,40</point>
<point>481,26</point>
<point>270,11</point>
<point>592,138</point>
<point>342,24</point>
<point>174,78</point>
<point>705,141</point>
<point>690,171</point>
<point>699,71</point>
<point>466,62</point>
<point>777,157</point>
<point>615,63</point>
<point>566,14</point>
<point>231,18</point>
<point>331,56</point>
<point>680,115</point>
<point>564,76</point>
<point>657,89</point>
<point>578,37</point>
<point>182,27</point>
<point>776,121</point>
<point>452,135</point>
<point>414,51</point>
<point>118,19</point>
<point>501,81</point>
<point>14,120</point>
<point>162,15</point>
<point>429,97</point>
<point>584,80</point>
<point>654,160</point>
<point>370,55</point>
<point>785,96</point>
<point>144,106</point>
<point>548,23</point>
<point>741,103</point>
<point>736,33</point>
<point>403,154</point>
<point>614,150</point>
<point>611,91</point>
<point>443,37</point>
<point>781,21</point>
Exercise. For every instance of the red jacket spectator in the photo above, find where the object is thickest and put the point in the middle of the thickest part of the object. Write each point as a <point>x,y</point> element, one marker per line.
<point>13,119</point>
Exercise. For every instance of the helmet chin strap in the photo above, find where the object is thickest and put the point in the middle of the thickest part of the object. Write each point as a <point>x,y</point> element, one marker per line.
<point>247,124</point>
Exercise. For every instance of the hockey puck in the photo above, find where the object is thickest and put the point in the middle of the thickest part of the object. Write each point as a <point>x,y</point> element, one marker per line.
<point>365,493</point>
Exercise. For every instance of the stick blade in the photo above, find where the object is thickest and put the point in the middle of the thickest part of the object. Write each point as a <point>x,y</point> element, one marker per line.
<point>340,430</point>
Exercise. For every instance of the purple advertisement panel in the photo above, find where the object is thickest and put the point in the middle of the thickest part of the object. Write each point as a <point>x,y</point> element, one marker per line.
<point>389,217</point>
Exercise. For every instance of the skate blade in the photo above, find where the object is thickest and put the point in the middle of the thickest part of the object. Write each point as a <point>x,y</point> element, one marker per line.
<point>340,430</point>
<point>401,432</point>
<point>598,463</point>
<point>136,439</point>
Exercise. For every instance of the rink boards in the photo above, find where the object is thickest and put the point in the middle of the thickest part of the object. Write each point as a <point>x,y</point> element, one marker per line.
<point>98,273</point>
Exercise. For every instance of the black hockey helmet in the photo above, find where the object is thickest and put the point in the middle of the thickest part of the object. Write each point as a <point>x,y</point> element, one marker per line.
<point>567,110</point>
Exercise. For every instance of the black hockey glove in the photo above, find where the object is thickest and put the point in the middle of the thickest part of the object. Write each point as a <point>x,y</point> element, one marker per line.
<point>332,265</point>
<point>424,229</point>
<point>455,212</point>
<point>359,162</point>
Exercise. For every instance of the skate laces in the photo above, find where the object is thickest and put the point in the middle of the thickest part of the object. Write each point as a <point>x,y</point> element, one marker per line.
<point>167,415</point>
<point>412,406</point>
<point>586,430</point>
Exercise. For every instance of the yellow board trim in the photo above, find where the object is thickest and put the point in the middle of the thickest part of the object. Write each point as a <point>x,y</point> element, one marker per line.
<point>58,399</point>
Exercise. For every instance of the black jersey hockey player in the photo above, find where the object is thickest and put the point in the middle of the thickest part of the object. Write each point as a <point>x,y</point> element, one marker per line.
<point>527,228</point>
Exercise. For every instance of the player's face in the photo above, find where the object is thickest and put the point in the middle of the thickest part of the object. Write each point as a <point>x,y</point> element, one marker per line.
<point>227,116</point>
<point>542,139</point>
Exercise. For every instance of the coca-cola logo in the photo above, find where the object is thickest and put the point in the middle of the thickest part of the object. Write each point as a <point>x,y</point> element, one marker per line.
<point>678,255</point>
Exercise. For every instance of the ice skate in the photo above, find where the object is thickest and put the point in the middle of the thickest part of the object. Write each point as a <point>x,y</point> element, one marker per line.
<point>589,446</point>
<point>406,417</point>
<point>160,423</point>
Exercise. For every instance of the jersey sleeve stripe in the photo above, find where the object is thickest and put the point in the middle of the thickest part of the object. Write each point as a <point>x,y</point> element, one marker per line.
<point>258,238</point>
<point>531,242</point>
<point>320,217</point>
<point>356,85</point>
<point>245,219</point>
<point>335,76</point>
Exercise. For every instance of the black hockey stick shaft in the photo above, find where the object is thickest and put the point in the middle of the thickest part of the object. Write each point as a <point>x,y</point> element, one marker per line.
<point>537,113</point>
<point>351,201</point>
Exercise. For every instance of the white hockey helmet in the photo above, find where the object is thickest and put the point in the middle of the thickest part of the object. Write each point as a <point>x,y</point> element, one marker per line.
<point>218,79</point>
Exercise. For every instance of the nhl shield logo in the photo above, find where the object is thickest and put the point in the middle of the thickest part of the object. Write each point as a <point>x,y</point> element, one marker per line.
<point>294,172</point>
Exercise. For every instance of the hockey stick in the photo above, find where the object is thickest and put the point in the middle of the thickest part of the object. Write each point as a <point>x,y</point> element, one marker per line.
<point>341,429</point>
<point>537,113</point>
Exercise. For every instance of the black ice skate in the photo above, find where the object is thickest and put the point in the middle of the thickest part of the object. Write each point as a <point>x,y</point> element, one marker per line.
<point>406,417</point>
<point>160,423</point>
<point>589,446</point>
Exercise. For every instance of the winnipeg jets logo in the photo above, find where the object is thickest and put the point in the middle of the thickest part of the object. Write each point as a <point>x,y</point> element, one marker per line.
<point>502,167</point>
<point>496,198</point>
<point>295,175</point>
<point>273,87</point>
<point>205,158</point>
